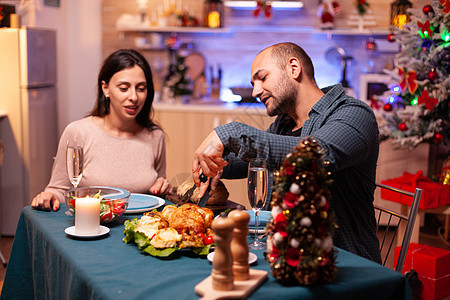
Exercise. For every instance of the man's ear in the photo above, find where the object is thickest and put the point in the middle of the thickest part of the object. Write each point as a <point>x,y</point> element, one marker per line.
<point>294,68</point>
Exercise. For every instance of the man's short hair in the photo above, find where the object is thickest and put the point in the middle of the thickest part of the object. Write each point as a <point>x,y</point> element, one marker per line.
<point>283,51</point>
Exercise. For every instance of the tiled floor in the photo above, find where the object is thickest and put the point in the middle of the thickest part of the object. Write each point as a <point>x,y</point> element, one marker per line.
<point>428,236</point>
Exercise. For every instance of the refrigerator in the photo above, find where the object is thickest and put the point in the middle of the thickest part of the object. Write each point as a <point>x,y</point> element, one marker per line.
<point>28,131</point>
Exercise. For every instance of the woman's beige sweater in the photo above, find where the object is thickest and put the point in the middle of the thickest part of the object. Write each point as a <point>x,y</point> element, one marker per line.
<point>131,163</point>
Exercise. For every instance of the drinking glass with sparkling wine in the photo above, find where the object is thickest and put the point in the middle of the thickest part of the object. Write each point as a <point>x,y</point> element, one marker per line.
<point>257,193</point>
<point>74,164</point>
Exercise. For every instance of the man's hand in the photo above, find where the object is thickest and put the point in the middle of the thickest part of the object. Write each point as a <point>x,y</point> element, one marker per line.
<point>208,158</point>
<point>45,201</point>
<point>214,181</point>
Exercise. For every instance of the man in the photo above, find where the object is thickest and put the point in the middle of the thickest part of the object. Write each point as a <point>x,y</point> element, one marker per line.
<point>282,76</point>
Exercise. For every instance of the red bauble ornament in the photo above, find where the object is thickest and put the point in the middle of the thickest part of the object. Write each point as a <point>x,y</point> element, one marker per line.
<point>428,9</point>
<point>387,107</point>
<point>402,127</point>
<point>391,38</point>
<point>432,75</point>
<point>438,137</point>
<point>371,45</point>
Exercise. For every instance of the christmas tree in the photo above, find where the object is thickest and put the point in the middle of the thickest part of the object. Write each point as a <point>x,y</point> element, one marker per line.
<point>178,81</point>
<point>299,242</point>
<point>416,107</point>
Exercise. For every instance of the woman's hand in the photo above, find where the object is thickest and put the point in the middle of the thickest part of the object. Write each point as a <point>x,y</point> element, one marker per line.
<point>161,187</point>
<point>45,201</point>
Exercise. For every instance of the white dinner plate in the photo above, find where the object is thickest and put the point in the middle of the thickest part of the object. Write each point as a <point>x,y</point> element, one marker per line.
<point>71,231</point>
<point>251,257</point>
<point>142,202</point>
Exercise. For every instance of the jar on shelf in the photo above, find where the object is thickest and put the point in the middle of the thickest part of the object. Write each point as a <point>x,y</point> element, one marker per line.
<point>214,13</point>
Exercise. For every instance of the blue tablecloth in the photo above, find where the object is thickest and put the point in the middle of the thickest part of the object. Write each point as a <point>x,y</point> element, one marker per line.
<point>45,263</point>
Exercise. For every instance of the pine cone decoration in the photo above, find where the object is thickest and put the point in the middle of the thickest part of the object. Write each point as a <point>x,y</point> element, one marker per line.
<point>300,244</point>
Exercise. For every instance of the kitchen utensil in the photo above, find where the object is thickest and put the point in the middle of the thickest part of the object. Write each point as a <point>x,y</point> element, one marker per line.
<point>188,195</point>
<point>204,199</point>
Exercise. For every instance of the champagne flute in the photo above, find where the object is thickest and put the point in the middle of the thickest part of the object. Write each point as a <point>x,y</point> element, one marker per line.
<point>257,194</point>
<point>74,164</point>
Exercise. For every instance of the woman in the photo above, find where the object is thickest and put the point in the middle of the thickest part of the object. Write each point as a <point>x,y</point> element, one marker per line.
<point>122,146</point>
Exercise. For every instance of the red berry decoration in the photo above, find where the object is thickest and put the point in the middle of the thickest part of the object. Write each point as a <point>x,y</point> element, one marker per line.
<point>432,75</point>
<point>371,45</point>
<point>391,38</point>
<point>428,9</point>
<point>387,107</point>
<point>438,137</point>
<point>402,127</point>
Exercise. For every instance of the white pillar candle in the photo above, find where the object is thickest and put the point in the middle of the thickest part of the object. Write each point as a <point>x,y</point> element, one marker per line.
<point>87,215</point>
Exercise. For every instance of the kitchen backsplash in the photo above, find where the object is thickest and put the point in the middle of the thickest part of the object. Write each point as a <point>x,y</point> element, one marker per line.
<point>235,50</point>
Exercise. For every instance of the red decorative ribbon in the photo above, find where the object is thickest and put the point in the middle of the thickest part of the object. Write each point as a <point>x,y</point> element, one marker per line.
<point>424,27</point>
<point>446,6</point>
<point>263,6</point>
<point>374,103</point>
<point>430,102</point>
<point>408,80</point>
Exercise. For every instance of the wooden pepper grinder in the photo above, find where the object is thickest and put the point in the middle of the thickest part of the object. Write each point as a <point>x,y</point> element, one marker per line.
<point>239,246</point>
<point>222,272</point>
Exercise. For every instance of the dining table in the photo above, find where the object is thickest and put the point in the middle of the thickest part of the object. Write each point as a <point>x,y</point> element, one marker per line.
<point>47,263</point>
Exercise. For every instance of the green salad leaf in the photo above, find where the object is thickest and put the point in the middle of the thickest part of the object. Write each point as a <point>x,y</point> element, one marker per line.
<point>130,228</point>
<point>202,250</point>
<point>160,252</point>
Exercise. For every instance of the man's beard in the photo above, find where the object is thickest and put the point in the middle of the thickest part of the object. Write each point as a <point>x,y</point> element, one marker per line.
<point>286,99</point>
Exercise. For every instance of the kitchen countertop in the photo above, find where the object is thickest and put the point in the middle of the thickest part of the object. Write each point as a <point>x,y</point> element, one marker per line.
<point>211,106</point>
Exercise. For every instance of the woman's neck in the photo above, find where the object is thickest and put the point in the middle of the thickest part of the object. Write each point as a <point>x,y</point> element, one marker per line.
<point>119,128</point>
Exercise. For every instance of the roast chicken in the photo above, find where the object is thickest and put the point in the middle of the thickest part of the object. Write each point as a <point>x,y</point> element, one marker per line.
<point>184,222</point>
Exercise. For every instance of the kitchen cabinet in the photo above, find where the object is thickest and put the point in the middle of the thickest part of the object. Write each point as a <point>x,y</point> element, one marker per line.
<point>187,125</point>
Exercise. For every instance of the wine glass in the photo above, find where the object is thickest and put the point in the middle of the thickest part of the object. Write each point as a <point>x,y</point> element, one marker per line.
<point>74,164</point>
<point>257,194</point>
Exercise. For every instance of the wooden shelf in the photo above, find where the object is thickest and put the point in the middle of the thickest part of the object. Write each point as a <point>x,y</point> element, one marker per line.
<point>276,29</point>
<point>353,32</point>
<point>175,29</point>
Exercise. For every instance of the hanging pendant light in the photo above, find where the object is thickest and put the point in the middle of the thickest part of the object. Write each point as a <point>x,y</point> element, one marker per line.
<point>399,14</point>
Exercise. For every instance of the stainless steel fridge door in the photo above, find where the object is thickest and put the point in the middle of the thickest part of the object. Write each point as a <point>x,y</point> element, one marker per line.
<point>38,57</point>
<point>43,137</point>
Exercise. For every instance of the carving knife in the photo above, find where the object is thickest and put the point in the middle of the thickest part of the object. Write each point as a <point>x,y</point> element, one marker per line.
<point>204,199</point>
<point>188,195</point>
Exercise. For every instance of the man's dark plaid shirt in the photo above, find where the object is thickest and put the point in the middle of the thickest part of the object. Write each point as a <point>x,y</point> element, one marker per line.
<point>347,129</point>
